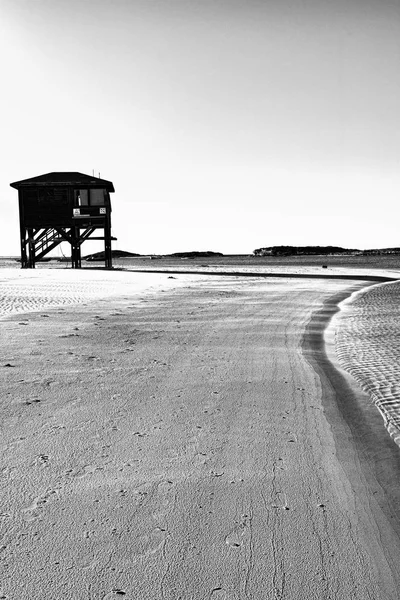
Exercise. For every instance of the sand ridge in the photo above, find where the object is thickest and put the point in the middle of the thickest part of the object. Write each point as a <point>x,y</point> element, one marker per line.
<point>24,291</point>
<point>368,347</point>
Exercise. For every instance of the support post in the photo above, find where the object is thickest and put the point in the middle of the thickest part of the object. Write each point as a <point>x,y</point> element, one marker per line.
<point>31,245</point>
<point>107,242</point>
<point>22,230</point>
<point>76,249</point>
<point>24,256</point>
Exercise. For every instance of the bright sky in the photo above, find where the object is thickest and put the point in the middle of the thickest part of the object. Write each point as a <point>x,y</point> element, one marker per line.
<point>224,125</point>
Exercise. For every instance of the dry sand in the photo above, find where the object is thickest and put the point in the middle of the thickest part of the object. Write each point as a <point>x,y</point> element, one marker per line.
<point>188,441</point>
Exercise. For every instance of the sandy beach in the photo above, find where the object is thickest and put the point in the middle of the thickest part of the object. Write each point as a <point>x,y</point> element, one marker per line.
<point>170,436</point>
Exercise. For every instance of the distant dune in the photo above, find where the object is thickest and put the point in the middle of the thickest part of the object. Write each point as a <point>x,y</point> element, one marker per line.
<point>319,250</point>
<point>115,254</point>
<point>206,254</point>
<point>99,256</point>
<point>296,250</point>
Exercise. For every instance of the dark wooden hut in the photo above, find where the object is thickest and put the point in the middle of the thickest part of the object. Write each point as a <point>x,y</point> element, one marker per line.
<point>63,207</point>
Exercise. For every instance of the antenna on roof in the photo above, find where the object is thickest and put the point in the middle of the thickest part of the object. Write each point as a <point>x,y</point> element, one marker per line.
<point>92,172</point>
<point>99,174</point>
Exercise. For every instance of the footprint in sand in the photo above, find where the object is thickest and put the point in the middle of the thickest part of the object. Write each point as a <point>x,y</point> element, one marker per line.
<point>82,471</point>
<point>219,593</point>
<point>116,593</point>
<point>164,500</point>
<point>32,401</point>
<point>235,539</point>
<point>43,459</point>
<point>32,512</point>
<point>238,536</point>
<point>150,543</point>
<point>151,538</point>
<point>68,335</point>
<point>14,443</point>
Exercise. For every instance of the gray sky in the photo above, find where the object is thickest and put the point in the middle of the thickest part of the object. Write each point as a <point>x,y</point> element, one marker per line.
<point>224,125</point>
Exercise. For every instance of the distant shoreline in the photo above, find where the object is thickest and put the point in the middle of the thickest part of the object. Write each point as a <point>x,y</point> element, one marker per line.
<point>271,253</point>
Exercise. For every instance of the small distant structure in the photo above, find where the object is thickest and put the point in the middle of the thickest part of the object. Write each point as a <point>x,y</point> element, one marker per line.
<point>63,207</point>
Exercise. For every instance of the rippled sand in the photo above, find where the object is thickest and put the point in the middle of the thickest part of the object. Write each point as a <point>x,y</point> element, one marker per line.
<point>368,347</point>
<point>24,291</point>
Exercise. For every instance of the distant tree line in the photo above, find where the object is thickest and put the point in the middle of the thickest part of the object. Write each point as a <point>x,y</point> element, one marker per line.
<point>382,251</point>
<point>301,250</point>
<point>206,254</point>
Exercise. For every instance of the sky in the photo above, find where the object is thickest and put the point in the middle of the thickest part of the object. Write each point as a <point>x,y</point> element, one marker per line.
<point>225,125</point>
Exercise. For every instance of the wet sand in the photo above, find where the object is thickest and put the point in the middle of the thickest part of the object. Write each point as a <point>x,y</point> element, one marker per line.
<point>368,347</point>
<point>191,443</point>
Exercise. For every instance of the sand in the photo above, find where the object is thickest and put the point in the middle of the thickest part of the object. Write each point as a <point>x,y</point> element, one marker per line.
<point>186,439</point>
<point>368,347</point>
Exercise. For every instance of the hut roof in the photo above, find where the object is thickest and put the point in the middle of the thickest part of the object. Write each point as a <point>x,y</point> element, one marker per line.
<point>64,179</point>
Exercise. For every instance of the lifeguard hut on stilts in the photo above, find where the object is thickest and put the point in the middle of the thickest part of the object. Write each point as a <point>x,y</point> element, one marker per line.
<point>63,207</point>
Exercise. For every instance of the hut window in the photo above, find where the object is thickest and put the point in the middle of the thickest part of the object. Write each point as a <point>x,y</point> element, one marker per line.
<point>83,198</point>
<point>91,197</point>
<point>97,197</point>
